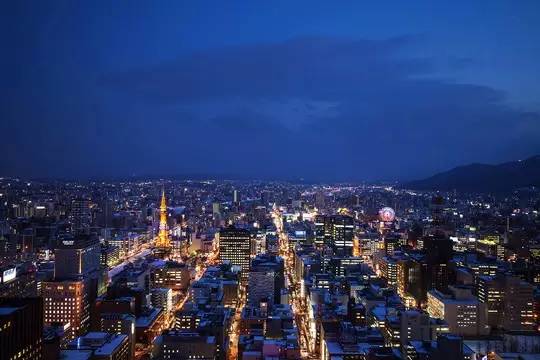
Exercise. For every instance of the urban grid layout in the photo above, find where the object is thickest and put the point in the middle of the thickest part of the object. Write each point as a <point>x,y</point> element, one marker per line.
<point>252,270</point>
<point>270,180</point>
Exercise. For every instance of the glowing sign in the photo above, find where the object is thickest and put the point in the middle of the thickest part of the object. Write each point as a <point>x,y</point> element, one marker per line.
<point>9,275</point>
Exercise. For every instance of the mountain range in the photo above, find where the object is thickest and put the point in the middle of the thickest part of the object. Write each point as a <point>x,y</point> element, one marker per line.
<point>484,178</point>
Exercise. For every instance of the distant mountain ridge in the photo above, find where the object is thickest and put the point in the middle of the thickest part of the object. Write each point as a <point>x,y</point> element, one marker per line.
<point>499,178</point>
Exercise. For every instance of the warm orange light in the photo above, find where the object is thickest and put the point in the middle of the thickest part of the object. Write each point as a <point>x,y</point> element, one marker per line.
<point>162,240</point>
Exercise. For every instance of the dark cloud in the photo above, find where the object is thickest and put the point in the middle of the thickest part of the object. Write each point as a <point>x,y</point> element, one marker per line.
<point>324,68</point>
<point>390,117</point>
<point>318,108</point>
<point>460,63</point>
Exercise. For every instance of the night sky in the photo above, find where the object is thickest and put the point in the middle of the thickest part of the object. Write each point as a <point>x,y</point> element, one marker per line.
<point>329,90</point>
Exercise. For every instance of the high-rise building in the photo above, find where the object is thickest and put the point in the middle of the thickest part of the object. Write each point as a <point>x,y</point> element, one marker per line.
<point>162,298</point>
<point>391,244</point>
<point>66,302</point>
<point>110,255</point>
<point>21,328</point>
<point>462,311</point>
<point>266,279</point>
<point>509,301</point>
<point>518,304</point>
<point>236,197</point>
<point>81,217</point>
<point>114,323</point>
<point>438,253</point>
<point>267,197</point>
<point>76,256</point>
<point>437,207</point>
<point>320,234</point>
<point>235,247</point>
<point>106,215</point>
<point>338,266</point>
<point>216,209</point>
<point>416,325</point>
<point>170,274</point>
<point>18,280</point>
<point>491,293</point>
<point>261,287</point>
<point>342,235</point>
<point>319,199</point>
<point>78,280</point>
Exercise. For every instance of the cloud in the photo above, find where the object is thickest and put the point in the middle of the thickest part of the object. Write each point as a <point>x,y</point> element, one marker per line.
<point>308,67</point>
<point>460,62</point>
<point>361,109</point>
<point>317,108</point>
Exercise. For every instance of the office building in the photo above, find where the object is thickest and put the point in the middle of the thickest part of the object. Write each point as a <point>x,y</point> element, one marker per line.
<point>119,323</point>
<point>176,345</point>
<point>66,302</point>
<point>101,346</point>
<point>509,301</point>
<point>339,266</point>
<point>76,256</point>
<point>234,247</point>
<point>236,197</point>
<point>341,235</point>
<point>170,274</point>
<point>162,298</point>
<point>21,328</point>
<point>80,217</point>
<point>266,279</point>
<point>462,311</point>
<point>416,325</point>
<point>109,256</point>
<point>18,280</point>
<point>320,230</point>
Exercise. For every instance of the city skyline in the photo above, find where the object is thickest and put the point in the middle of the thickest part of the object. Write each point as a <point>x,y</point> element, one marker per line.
<point>280,180</point>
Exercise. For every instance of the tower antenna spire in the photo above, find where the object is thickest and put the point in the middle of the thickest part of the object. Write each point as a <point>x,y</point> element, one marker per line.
<point>163,241</point>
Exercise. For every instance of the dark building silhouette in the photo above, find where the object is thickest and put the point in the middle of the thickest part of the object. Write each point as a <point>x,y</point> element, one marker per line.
<point>336,232</point>
<point>21,328</point>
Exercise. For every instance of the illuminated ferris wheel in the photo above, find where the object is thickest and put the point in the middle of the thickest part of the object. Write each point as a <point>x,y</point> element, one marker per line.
<point>387,214</point>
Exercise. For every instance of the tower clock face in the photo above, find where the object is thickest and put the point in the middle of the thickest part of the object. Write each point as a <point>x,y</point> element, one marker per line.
<point>387,214</point>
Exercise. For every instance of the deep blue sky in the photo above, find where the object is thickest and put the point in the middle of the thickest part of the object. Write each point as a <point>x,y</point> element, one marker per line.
<point>277,89</point>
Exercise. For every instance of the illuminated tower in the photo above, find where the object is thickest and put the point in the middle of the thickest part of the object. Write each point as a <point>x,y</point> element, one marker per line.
<point>162,240</point>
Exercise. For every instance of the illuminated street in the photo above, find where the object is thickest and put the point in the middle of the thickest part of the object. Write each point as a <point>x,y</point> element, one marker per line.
<point>143,252</point>
<point>234,330</point>
<point>211,260</point>
<point>297,302</point>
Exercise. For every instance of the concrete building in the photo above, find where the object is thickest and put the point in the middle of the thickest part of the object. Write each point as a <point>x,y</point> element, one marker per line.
<point>462,311</point>
<point>21,328</point>
<point>101,346</point>
<point>266,279</point>
<point>509,301</point>
<point>66,302</point>
<point>235,247</point>
<point>76,256</point>
<point>176,345</point>
<point>162,298</point>
<point>170,274</point>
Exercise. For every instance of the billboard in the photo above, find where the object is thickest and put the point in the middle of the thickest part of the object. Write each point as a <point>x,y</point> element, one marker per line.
<point>9,275</point>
